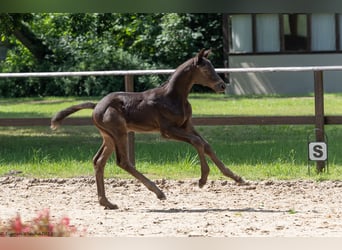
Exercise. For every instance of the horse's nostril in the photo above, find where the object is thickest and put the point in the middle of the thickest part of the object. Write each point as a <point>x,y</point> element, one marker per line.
<point>220,87</point>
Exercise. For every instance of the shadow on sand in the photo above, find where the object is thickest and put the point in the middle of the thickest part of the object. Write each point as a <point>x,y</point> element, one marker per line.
<point>216,210</point>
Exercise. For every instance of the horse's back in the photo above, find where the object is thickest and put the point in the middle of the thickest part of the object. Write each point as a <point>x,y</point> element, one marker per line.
<point>138,110</point>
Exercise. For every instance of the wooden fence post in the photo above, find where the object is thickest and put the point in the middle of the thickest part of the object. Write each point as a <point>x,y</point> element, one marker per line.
<point>129,87</point>
<point>319,113</point>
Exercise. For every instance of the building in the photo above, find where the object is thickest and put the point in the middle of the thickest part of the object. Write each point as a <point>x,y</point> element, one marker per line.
<point>280,40</point>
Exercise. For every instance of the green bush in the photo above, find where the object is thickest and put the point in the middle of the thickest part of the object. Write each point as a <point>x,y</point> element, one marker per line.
<point>104,57</point>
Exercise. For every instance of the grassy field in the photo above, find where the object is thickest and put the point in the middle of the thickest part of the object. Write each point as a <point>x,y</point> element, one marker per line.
<point>202,104</point>
<point>255,152</point>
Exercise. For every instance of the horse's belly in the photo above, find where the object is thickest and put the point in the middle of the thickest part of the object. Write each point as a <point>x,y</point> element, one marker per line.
<point>142,127</point>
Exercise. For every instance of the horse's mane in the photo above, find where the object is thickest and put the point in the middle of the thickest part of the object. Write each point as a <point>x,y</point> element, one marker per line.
<point>184,66</point>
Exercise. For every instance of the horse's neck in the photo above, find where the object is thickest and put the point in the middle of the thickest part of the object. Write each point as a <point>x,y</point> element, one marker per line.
<point>181,82</point>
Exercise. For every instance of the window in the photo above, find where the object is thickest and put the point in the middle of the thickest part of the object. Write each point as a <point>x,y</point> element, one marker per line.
<point>323,32</point>
<point>285,33</point>
<point>241,30</point>
<point>267,33</point>
<point>295,32</point>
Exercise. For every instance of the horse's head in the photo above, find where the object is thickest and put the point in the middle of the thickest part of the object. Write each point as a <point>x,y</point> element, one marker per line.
<point>205,73</point>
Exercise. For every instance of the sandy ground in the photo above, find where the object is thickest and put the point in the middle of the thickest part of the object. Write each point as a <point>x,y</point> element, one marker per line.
<point>221,208</point>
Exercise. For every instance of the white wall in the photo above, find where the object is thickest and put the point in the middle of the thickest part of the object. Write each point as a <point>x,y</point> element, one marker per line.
<point>293,83</point>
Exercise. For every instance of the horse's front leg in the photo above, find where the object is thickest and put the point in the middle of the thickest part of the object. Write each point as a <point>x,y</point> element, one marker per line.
<point>196,141</point>
<point>202,146</point>
<point>224,170</point>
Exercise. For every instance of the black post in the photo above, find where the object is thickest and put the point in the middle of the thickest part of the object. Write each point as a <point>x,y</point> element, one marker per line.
<point>319,113</point>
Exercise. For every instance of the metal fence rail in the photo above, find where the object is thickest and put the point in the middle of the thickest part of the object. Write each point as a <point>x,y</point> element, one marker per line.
<point>319,119</point>
<point>168,71</point>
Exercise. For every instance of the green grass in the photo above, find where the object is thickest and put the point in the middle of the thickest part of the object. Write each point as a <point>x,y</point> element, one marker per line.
<point>209,104</point>
<point>255,152</point>
<point>39,107</point>
<point>202,104</point>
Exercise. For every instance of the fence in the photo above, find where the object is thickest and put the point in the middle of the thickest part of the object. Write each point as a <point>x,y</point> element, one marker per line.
<point>319,119</point>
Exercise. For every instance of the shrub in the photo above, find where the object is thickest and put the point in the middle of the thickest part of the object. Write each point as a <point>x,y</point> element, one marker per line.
<point>90,54</point>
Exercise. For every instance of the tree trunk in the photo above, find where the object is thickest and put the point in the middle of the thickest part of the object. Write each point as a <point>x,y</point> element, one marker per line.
<point>31,42</point>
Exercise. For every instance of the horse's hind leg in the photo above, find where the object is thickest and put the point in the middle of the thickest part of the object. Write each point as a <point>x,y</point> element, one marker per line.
<point>99,161</point>
<point>123,161</point>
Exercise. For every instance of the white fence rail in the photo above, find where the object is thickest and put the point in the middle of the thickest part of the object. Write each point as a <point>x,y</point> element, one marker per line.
<point>167,71</point>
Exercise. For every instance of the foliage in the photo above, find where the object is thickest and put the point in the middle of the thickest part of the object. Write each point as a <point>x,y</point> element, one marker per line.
<point>11,22</point>
<point>72,52</point>
<point>105,41</point>
<point>42,226</point>
<point>184,34</point>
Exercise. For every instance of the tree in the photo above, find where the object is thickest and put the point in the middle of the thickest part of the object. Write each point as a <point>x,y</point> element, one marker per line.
<point>100,41</point>
<point>184,34</point>
<point>15,24</point>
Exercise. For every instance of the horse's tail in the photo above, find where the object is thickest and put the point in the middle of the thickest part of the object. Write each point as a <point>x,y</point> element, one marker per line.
<point>57,118</point>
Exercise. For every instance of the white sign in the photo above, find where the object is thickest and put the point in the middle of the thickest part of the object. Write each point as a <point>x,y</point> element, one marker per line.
<point>318,151</point>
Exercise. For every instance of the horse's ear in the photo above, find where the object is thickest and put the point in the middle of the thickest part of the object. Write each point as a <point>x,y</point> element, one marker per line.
<point>206,53</point>
<point>199,56</point>
<point>201,53</point>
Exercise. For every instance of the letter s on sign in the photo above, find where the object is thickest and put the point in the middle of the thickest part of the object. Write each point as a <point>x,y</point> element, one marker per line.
<point>318,151</point>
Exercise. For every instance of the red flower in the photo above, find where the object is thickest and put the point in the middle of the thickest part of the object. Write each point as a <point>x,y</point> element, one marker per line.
<point>17,225</point>
<point>65,221</point>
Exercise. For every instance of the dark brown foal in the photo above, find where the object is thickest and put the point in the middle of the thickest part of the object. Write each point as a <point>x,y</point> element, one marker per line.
<point>164,109</point>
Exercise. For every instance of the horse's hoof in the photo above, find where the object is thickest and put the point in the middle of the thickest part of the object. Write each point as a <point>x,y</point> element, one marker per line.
<point>161,196</point>
<point>242,182</point>
<point>201,183</point>
<point>107,205</point>
<point>111,207</point>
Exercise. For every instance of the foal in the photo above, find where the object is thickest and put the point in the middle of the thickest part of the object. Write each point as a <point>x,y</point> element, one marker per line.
<point>164,109</point>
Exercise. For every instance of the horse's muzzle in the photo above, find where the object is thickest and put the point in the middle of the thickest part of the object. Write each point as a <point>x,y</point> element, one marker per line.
<point>220,87</point>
